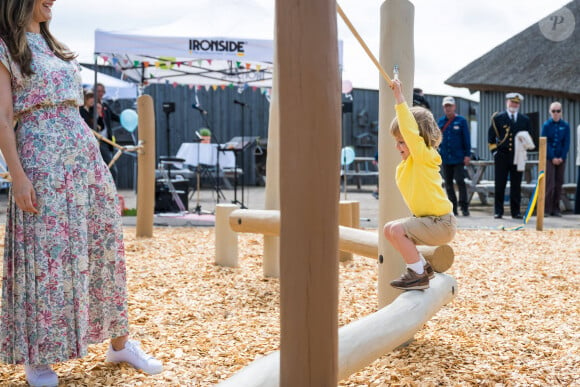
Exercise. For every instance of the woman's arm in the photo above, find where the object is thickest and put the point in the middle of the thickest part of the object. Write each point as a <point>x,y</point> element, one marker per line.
<point>22,189</point>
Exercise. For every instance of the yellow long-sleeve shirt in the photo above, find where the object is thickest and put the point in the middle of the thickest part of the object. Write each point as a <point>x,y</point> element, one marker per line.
<point>418,177</point>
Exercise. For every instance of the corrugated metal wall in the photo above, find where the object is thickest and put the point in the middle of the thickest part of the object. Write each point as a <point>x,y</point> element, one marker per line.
<point>535,107</point>
<point>224,118</point>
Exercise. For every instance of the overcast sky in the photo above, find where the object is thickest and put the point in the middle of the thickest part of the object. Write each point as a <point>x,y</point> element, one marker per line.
<point>449,34</point>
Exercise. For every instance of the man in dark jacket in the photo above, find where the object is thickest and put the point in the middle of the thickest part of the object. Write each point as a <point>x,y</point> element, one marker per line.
<point>501,141</point>
<point>455,150</point>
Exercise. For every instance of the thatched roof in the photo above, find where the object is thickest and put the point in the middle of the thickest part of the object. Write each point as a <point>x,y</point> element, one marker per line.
<point>532,61</point>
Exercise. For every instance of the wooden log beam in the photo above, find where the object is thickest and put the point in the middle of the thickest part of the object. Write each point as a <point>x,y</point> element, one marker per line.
<point>352,240</point>
<point>365,340</point>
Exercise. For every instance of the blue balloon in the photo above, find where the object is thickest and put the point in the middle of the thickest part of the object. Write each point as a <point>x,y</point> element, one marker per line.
<point>347,155</point>
<point>129,120</point>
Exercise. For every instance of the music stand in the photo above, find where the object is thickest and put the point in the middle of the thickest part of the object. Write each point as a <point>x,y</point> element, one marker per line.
<point>238,145</point>
<point>218,190</point>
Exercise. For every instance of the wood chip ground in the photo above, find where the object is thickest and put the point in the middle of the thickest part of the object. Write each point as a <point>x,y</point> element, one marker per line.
<point>515,321</point>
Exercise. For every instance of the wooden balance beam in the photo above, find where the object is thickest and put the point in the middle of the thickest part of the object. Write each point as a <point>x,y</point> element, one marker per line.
<point>363,341</point>
<point>356,241</point>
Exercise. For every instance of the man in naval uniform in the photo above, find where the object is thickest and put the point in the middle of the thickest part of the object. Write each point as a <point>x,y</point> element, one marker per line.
<point>501,141</point>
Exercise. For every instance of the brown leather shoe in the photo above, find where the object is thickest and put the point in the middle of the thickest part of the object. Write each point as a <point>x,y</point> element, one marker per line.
<point>410,280</point>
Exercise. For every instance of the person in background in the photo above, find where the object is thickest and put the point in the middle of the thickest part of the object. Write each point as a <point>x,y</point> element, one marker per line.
<point>108,116</point>
<point>577,195</point>
<point>417,176</point>
<point>419,98</point>
<point>501,141</point>
<point>557,133</point>
<point>64,274</point>
<point>86,111</point>
<point>455,150</point>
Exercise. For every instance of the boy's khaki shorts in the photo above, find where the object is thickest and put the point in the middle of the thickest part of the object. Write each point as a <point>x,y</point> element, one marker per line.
<point>430,230</point>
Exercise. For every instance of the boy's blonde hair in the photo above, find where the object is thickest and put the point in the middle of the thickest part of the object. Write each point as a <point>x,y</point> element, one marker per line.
<point>428,128</point>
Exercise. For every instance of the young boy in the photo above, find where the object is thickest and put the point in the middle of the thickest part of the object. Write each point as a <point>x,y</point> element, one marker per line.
<point>419,181</point>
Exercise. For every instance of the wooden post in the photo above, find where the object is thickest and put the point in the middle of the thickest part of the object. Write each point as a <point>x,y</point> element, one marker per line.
<point>396,48</point>
<point>309,113</point>
<point>271,267</point>
<point>345,219</point>
<point>146,167</point>
<point>541,185</point>
<point>355,205</point>
<point>226,240</point>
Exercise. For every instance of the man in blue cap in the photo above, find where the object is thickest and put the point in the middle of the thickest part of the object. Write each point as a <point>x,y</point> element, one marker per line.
<point>501,141</point>
<point>455,150</point>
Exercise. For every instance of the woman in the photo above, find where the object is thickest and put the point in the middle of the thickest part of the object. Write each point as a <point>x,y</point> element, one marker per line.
<point>64,280</point>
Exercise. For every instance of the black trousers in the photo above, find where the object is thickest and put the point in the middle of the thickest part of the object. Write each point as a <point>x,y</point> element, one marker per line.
<point>554,181</point>
<point>504,168</point>
<point>455,172</point>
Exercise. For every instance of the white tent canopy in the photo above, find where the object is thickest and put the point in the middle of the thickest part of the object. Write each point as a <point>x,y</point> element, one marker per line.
<point>188,60</point>
<point>155,58</point>
<point>115,88</point>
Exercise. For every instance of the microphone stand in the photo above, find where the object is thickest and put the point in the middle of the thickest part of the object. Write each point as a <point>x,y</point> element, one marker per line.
<point>242,147</point>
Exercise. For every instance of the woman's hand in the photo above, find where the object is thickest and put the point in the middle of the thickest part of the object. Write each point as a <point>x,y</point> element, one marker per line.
<point>24,195</point>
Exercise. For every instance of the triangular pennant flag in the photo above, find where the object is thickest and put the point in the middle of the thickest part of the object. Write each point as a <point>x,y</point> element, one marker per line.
<point>174,85</point>
<point>248,66</point>
<point>135,63</point>
<point>223,87</point>
<point>258,67</point>
<point>254,88</point>
<point>207,87</point>
<point>214,87</point>
<point>191,87</point>
<point>238,64</point>
<point>145,64</point>
<point>231,85</point>
<point>209,61</point>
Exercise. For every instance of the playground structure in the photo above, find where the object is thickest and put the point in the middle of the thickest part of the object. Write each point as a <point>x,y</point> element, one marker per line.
<point>313,353</point>
<point>302,245</point>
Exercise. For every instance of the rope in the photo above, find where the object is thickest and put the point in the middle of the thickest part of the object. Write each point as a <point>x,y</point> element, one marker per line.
<point>363,44</point>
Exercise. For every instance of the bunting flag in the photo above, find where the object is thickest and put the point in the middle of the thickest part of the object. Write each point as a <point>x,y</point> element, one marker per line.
<point>248,66</point>
<point>214,87</point>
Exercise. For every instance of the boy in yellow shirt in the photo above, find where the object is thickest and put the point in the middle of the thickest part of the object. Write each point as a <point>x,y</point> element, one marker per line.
<point>419,181</point>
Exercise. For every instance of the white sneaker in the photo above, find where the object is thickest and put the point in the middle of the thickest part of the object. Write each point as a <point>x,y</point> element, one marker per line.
<point>40,375</point>
<point>134,355</point>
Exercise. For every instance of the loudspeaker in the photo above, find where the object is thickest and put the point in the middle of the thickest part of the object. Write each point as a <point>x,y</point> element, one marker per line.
<point>164,200</point>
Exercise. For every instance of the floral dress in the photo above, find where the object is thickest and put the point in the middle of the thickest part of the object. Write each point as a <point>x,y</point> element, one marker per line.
<point>63,281</point>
